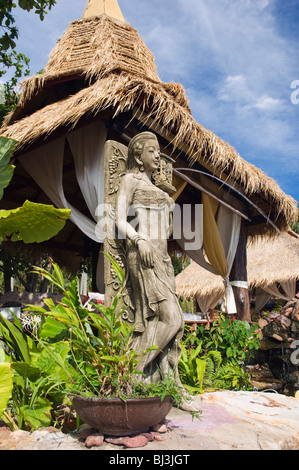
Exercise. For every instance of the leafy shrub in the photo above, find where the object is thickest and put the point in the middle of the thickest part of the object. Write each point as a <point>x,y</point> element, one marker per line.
<point>75,351</point>
<point>236,340</point>
<point>214,359</point>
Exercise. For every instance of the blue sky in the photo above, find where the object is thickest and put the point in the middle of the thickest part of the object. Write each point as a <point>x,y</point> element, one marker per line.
<point>237,60</point>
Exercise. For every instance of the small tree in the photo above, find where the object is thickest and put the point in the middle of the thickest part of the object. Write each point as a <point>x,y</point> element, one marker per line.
<point>10,59</point>
<point>8,55</point>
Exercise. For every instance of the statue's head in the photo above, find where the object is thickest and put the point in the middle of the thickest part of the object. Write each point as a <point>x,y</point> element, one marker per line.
<point>136,147</point>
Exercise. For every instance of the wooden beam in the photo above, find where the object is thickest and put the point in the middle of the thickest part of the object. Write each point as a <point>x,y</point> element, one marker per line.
<point>202,188</point>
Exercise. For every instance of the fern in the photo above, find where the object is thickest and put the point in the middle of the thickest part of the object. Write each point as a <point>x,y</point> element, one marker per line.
<point>233,377</point>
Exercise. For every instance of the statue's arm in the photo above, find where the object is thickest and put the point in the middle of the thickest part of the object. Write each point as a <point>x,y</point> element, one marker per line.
<point>124,200</point>
<point>125,197</point>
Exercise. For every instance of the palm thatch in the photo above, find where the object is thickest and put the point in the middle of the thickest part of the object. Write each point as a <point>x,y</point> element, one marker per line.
<point>94,48</point>
<point>269,261</point>
<point>118,73</point>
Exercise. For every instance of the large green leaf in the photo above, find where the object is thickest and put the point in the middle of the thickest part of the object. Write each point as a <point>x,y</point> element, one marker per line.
<point>39,416</point>
<point>26,371</point>
<point>6,384</point>
<point>32,222</point>
<point>6,170</point>
<point>200,369</point>
<point>53,362</point>
<point>53,329</point>
<point>16,339</point>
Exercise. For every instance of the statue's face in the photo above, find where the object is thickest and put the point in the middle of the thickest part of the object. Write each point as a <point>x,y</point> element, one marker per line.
<point>151,155</point>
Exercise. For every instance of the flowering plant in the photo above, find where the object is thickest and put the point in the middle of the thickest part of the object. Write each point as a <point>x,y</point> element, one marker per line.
<point>236,340</point>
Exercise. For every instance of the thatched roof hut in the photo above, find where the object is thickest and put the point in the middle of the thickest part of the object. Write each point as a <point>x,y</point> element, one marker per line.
<point>272,268</point>
<point>101,71</point>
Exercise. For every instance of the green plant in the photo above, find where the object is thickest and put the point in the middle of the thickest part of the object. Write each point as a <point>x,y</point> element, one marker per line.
<point>194,367</point>
<point>189,364</point>
<point>32,222</point>
<point>34,373</point>
<point>188,305</point>
<point>6,385</point>
<point>99,342</point>
<point>236,340</point>
<point>232,377</point>
<point>214,359</point>
<point>75,351</point>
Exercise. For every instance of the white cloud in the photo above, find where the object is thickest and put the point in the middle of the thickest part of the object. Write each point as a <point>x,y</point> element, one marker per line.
<point>267,103</point>
<point>236,67</point>
<point>235,89</point>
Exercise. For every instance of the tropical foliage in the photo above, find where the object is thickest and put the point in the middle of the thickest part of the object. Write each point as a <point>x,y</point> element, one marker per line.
<point>8,55</point>
<point>32,222</point>
<point>10,58</point>
<point>214,358</point>
<point>6,168</point>
<point>74,351</point>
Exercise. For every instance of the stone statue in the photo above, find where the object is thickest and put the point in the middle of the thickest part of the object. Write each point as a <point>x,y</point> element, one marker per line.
<point>158,315</point>
<point>143,220</point>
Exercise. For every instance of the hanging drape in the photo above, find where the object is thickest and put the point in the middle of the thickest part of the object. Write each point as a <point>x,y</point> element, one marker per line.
<point>220,237</point>
<point>261,298</point>
<point>221,232</point>
<point>45,166</point>
<point>207,302</point>
<point>263,294</point>
<point>289,289</point>
<point>87,146</point>
<point>212,242</point>
<point>274,291</point>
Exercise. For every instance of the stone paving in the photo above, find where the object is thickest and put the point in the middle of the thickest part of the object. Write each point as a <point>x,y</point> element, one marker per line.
<point>229,421</point>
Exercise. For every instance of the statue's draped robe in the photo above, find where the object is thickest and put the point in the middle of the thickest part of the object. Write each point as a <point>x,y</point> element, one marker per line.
<point>154,288</point>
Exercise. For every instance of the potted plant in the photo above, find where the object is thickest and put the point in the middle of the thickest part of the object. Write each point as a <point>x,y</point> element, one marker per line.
<point>104,381</point>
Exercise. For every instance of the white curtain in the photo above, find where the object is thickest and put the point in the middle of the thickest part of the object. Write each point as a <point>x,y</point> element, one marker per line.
<point>207,302</point>
<point>261,298</point>
<point>229,229</point>
<point>289,289</point>
<point>263,294</point>
<point>45,166</point>
<point>228,224</point>
<point>87,146</point>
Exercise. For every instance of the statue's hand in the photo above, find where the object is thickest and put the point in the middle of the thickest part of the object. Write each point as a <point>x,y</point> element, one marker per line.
<point>146,253</point>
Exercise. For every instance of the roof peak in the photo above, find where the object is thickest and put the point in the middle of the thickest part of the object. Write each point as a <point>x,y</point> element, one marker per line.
<point>103,7</point>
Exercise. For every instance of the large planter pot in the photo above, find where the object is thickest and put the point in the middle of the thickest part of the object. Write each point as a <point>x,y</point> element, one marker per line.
<point>115,417</point>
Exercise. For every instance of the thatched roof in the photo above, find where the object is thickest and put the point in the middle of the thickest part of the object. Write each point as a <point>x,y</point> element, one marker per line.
<point>101,64</point>
<point>94,49</point>
<point>269,260</point>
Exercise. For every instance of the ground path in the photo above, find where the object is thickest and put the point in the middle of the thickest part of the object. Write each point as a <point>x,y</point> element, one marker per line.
<point>229,421</point>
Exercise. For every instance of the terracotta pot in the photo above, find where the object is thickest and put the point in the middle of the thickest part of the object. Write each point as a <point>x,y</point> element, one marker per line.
<point>115,417</point>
